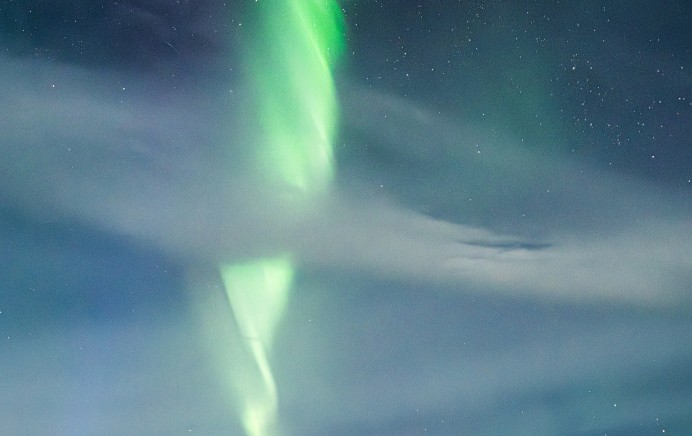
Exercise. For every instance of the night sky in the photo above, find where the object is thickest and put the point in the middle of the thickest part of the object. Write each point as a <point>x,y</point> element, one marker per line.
<point>506,247</point>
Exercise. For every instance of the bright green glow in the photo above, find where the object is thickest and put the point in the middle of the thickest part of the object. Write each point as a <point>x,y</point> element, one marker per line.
<point>290,61</point>
<point>290,70</point>
<point>257,312</point>
<point>258,292</point>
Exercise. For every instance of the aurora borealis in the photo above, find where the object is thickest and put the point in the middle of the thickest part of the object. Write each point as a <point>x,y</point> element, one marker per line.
<point>370,218</point>
<point>291,58</point>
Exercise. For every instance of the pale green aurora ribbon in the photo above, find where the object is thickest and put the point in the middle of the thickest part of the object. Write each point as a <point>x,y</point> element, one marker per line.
<point>290,59</point>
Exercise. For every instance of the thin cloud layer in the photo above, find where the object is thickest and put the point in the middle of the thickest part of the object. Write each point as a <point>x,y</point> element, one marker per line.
<point>176,176</point>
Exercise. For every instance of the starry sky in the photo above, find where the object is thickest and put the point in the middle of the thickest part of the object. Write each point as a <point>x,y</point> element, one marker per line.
<point>507,247</point>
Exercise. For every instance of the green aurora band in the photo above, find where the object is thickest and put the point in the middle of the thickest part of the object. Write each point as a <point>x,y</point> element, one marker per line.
<point>290,67</point>
<point>290,61</point>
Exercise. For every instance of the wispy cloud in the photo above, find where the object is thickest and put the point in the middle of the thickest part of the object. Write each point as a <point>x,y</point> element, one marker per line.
<point>173,171</point>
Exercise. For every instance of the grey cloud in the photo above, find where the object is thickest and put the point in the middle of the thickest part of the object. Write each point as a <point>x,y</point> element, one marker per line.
<point>172,177</point>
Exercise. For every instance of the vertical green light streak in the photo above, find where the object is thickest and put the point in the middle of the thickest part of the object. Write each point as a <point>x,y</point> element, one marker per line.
<point>290,66</point>
<point>258,292</point>
<point>290,58</point>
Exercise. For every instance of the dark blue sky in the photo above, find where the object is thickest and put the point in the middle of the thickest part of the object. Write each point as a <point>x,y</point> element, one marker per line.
<point>506,250</point>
